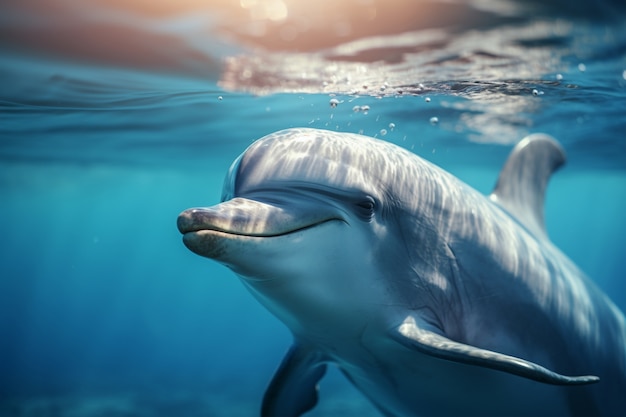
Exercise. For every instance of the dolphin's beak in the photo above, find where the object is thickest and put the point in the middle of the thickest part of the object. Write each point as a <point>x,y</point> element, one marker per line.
<point>245,217</point>
<point>207,231</point>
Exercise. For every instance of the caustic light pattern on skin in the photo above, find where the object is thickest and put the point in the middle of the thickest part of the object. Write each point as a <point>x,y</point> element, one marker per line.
<point>434,270</point>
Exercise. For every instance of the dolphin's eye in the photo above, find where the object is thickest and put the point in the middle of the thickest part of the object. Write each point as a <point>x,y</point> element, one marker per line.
<point>365,208</point>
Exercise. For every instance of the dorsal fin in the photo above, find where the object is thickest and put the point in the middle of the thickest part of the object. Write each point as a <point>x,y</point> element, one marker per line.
<point>522,183</point>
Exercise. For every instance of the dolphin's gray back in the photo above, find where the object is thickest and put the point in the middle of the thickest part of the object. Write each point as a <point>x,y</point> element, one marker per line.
<point>505,267</point>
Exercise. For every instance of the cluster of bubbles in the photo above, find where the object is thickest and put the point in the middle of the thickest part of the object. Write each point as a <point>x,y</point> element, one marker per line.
<point>334,102</point>
<point>363,109</point>
<point>383,132</point>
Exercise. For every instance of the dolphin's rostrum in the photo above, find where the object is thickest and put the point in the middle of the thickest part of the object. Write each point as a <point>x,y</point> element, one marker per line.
<point>430,297</point>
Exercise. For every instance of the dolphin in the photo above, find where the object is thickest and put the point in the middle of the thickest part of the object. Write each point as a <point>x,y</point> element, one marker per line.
<point>431,298</point>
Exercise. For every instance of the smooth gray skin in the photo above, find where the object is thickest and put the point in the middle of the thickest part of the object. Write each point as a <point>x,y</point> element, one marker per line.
<point>430,297</point>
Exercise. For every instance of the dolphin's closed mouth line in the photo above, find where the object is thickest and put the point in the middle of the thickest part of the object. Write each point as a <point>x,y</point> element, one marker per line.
<point>235,233</point>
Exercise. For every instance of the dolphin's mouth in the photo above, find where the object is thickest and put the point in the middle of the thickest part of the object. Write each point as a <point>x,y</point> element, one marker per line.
<point>212,228</point>
<point>250,218</point>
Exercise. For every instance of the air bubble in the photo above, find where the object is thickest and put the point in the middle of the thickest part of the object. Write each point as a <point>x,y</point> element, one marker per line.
<point>220,98</point>
<point>427,99</point>
<point>559,77</point>
<point>434,120</point>
<point>392,126</point>
<point>356,109</point>
<point>365,109</point>
<point>333,102</point>
<point>383,132</point>
<point>582,67</point>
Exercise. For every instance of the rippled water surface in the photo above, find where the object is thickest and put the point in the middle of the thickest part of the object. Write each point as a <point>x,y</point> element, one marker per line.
<point>115,116</point>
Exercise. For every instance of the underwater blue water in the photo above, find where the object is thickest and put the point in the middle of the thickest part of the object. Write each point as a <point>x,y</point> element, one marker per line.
<point>104,312</point>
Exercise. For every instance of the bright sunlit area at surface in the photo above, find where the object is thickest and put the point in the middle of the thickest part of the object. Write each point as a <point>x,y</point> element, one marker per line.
<point>118,115</point>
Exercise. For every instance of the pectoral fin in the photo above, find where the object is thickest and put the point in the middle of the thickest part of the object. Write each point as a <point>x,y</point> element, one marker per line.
<point>293,390</point>
<point>415,334</point>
